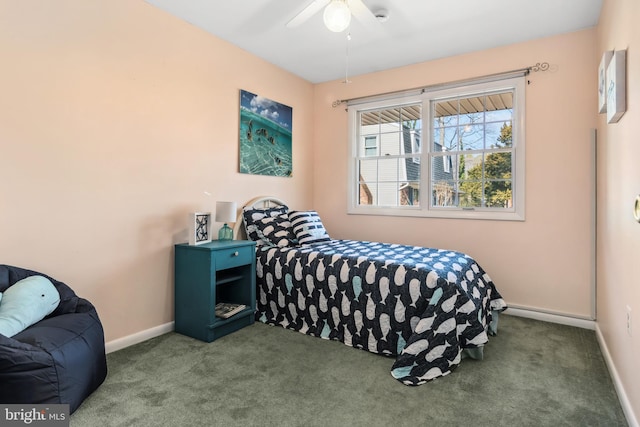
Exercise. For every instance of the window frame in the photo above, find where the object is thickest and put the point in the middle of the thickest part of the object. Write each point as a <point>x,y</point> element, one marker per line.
<point>515,213</point>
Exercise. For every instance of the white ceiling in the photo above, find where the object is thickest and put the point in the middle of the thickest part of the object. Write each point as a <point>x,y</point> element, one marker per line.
<point>417,30</point>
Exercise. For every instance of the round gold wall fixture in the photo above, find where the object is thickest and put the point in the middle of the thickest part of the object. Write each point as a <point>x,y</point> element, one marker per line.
<point>636,209</point>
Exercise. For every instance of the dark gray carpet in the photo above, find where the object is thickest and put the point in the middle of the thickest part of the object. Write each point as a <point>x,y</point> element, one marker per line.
<point>533,374</point>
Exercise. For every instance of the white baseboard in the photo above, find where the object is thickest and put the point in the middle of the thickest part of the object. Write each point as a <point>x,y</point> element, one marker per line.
<point>622,395</point>
<point>551,317</point>
<point>138,337</point>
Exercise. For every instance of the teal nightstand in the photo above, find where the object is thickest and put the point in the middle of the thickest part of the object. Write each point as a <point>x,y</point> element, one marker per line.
<point>219,271</point>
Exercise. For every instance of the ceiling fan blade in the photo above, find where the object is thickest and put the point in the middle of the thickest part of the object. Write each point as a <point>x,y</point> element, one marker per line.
<point>362,13</point>
<point>307,13</point>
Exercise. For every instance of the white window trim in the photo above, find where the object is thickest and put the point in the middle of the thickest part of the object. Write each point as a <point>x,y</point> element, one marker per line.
<point>517,213</point>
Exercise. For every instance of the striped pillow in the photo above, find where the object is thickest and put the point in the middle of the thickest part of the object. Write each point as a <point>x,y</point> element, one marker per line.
<point>308,227</point>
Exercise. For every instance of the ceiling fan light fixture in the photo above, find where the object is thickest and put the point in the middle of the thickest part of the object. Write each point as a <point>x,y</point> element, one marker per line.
<point>337,16</point>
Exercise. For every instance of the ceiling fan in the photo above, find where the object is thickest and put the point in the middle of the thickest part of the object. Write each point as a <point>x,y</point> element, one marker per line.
<point>337,14</point>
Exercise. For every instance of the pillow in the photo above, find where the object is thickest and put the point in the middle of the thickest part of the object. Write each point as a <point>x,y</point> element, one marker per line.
<point>27,302</point>
<point>251,216</point>
<point>308,227</point>
<point>276,231</point>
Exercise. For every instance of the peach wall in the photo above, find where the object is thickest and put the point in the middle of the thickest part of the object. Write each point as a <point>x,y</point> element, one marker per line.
<point>618,185</point>
<point>115,117</point>
<point>542,263</point>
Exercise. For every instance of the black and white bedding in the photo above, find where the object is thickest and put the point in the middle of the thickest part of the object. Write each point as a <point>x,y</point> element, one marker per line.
<point>422,305</point>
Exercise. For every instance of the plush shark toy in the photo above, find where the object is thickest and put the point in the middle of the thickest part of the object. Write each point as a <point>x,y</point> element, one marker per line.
<point>25,303</point>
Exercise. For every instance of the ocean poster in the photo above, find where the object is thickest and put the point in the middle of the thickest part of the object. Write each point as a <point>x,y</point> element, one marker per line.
<point>265,136</point>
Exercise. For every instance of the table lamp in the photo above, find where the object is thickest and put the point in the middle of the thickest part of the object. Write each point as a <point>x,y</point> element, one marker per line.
<point>226,212</point>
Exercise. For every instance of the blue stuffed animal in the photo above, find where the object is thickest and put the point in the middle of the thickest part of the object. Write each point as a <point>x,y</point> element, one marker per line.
<point>25,303</point>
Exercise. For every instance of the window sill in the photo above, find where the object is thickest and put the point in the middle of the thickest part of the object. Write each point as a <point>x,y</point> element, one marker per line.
<point>438,213</point>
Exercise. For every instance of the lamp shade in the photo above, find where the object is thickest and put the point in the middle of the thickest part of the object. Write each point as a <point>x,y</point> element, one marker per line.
<point>226,211</point>
<point>337,16</point>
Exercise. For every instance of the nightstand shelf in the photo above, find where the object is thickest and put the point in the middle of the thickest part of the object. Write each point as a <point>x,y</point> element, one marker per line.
<point>220,322</point>
<point>222,281</point>
<point>219,271</point>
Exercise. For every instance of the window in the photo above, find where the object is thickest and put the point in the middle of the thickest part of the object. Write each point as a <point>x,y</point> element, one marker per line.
<point>390,174</point>
<point>472,165</point>
<point>371,145</point>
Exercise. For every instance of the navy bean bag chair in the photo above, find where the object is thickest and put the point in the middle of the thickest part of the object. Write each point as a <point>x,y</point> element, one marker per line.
<point>60,359</point>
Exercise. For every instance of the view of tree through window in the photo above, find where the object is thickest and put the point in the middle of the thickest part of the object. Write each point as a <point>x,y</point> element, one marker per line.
<point>471,151</point>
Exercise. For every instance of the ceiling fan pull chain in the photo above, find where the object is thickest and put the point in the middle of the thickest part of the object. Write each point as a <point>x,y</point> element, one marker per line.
<point>346,66</point>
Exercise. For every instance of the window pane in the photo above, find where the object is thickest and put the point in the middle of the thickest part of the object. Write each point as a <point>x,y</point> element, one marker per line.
<point>411,170</point>
<point>472,137</point>
<point>498,166</point>
<point>390,142</point>
<point>367,193</point>
<point>499,116</point>
<point>471,118</point>
<point>411,129</point>
<point>446,164</point>
<point>388,170</point>
<point>499,135</point>
<point>439,170</point>
<point>499,106</point>
<point>471,194</point>
<point>369,121</point>
<point>499,194</point>
<point>469,166</point>
<point>391,115</point>
<point>412,141</point>
<point>410,194</point>
<point>446,112</point>
<point>471,110</point>
<point>388,194</point>
<point>411,116</point>
<point>368,170</point>
<point>444,193</point>
<point>445,137</point>
<point>370,130</point>
<point>494,136</point>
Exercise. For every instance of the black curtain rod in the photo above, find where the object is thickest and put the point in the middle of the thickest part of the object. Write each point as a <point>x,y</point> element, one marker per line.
<point>540,66</point>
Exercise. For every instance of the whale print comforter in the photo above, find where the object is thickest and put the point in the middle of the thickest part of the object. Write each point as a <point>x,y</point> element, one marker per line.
<point>422,305</point>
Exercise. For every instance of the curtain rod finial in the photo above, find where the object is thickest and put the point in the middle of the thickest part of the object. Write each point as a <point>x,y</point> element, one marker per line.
<point>540,66</point>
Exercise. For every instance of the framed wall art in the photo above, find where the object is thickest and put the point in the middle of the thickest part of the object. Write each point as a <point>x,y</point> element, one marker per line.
<point>265,136</point>
<point>616,86</point>
<point>199,228</point>
<point>602,81</point>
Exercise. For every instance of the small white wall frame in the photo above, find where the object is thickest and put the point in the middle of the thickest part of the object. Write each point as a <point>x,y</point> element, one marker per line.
<point>199,228</point>
<point>602,81</point>
<point>616,86</point>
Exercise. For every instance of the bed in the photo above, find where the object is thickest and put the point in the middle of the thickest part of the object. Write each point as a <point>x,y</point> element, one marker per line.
<point>426,307</point>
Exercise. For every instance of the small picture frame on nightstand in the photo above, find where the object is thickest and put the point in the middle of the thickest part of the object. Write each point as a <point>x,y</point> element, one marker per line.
<point>199,228</point>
